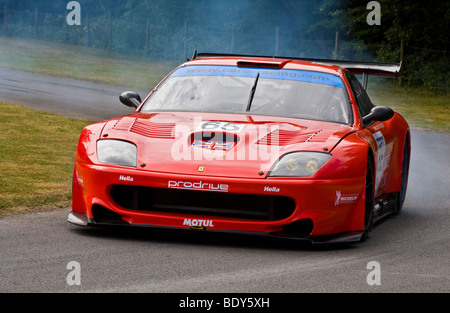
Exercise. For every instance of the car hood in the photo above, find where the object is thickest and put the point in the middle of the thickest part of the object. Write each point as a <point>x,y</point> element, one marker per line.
<point>220,145</point>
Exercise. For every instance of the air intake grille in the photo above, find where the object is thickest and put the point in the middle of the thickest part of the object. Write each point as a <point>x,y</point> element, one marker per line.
<point>206,203</point>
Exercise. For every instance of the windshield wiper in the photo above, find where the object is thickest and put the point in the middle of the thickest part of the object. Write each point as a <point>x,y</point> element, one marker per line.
<point>252,93</point>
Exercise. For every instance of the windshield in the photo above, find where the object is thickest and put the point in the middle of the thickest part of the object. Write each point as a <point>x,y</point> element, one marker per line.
<point>228,89</point>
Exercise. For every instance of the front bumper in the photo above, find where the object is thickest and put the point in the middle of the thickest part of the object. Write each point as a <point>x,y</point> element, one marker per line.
<point>323,210</point>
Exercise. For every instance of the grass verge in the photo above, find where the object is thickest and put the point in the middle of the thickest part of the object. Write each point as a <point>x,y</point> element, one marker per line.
<point>37,150</point>
<point>82,63</point>
<point>421,108</point>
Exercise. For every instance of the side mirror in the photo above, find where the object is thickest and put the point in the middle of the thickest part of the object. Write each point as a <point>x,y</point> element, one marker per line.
<point>378,114</point>
<point>130,99</point>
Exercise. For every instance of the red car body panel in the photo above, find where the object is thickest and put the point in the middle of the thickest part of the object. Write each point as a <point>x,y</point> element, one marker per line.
<point>173,163</point>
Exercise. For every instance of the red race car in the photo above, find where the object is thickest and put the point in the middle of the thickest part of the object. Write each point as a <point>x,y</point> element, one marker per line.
<point>273,146</point>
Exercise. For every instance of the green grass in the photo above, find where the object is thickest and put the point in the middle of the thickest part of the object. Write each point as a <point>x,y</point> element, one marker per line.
<point>37,150</point>
<point>82,63</point>
<point>421,108</point>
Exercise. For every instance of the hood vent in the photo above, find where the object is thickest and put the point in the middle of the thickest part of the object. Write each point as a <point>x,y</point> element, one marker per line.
<point>146,128</point>
<point>280,137</point>
<point>124,124</point>
<point>319,136</point>
<point>154,130</point>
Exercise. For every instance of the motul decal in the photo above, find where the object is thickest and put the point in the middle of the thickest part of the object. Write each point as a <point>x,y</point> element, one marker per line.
<point>197,222</point>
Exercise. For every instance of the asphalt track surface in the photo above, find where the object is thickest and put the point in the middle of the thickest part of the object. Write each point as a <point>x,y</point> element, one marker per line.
<point>412,248</point>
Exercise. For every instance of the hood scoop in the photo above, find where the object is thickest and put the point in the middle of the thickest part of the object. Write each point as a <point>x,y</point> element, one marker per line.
<point>281,137</point>
<point>146,128</point>
<point>214,141</point>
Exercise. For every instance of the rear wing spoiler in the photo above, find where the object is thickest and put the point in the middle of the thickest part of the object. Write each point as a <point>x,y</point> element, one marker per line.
<point>366,68</point>
<point>356,67</point>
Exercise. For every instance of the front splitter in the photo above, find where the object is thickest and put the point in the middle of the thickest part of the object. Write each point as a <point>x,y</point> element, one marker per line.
<point>348,237</point>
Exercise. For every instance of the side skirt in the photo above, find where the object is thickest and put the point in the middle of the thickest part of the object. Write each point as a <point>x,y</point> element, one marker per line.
<point>385,205</point>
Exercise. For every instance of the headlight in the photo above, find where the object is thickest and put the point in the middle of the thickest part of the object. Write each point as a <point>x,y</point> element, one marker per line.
<point>117,152</point>
<point>299,164</point>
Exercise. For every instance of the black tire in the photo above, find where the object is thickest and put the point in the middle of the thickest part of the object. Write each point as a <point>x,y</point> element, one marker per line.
<point>369,200</point>
<point>404,176</point>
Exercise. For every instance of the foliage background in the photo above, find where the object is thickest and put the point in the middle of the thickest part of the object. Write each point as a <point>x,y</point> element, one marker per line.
<point>173,29</point>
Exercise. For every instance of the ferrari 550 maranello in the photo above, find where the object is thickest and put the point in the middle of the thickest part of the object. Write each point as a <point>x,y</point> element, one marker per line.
<point>275,146</point>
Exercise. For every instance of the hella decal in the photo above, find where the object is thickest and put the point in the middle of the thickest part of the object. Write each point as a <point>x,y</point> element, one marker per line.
<point>126,178</point>
<point>271,189</point>
<point>197,186</point>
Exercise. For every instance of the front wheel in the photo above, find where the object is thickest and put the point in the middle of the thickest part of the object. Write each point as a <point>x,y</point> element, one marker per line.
<point>369,200</point>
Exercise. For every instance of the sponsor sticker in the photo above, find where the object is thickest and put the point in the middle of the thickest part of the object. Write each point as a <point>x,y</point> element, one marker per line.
<point>271,189</point>
<point>198,185</point>
<point>381,161</point>
<point>126,178</point>
<point>344,199</point>
<point>197,223</point>
<point>285,74</point>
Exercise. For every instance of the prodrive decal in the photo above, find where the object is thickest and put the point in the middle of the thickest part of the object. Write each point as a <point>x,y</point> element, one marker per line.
<point>199,185</point>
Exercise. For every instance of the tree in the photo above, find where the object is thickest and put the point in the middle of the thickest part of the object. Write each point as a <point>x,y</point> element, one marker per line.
<point>422,25</point>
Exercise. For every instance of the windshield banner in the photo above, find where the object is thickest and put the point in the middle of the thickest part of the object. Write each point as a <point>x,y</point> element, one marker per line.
<point>303,76</point>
